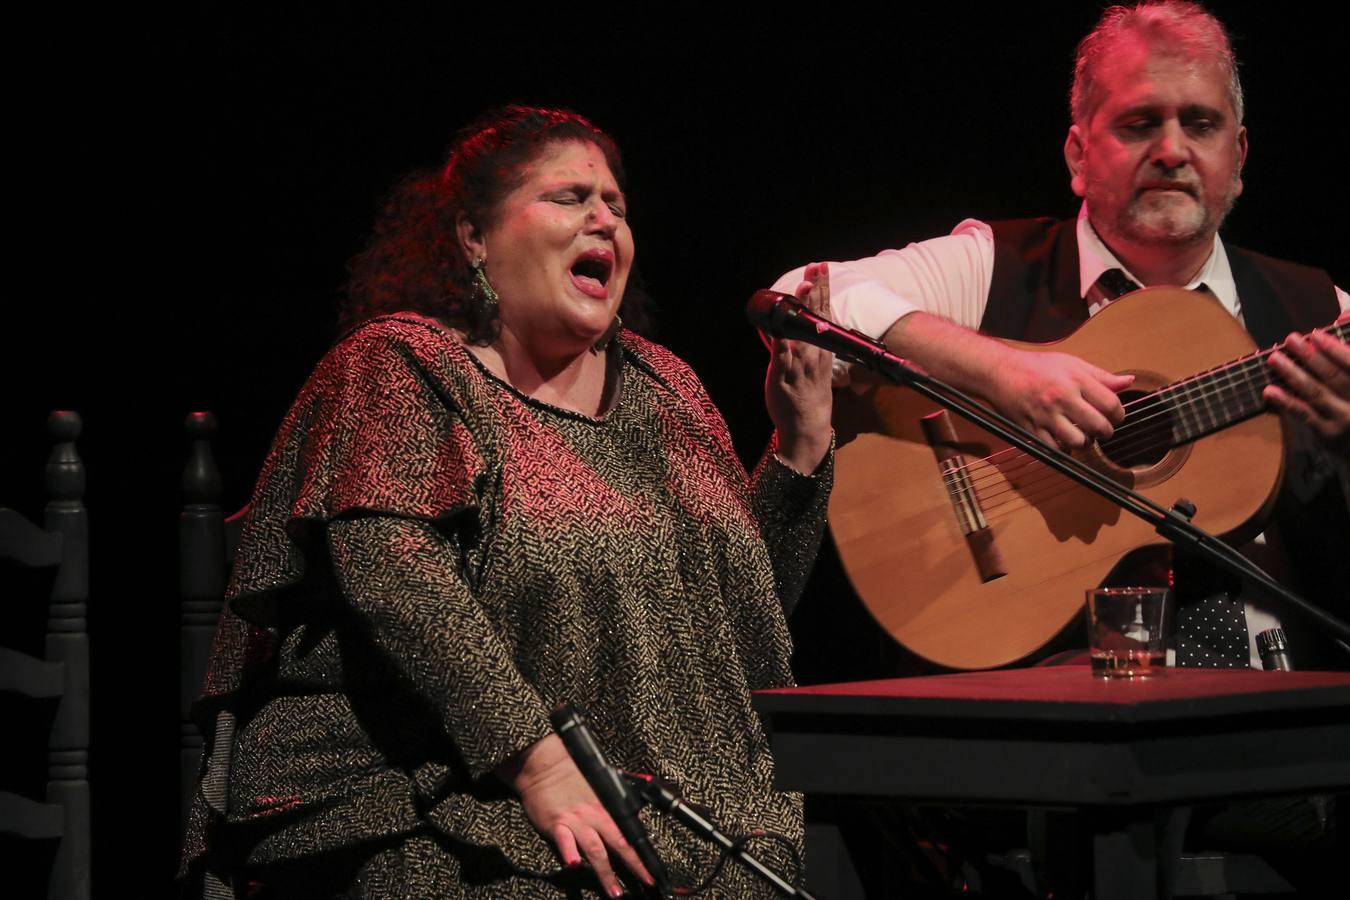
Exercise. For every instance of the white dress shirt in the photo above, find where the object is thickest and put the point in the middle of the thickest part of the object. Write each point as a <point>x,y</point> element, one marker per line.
<point>949,276</point>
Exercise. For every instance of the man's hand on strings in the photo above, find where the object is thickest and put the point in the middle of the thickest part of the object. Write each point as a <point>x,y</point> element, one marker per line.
<point>1314,384</point>
<point>1062,399</point>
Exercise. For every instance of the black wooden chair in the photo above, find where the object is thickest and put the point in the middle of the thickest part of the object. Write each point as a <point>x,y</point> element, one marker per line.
<point>61,675</point>
<point>207,540</point>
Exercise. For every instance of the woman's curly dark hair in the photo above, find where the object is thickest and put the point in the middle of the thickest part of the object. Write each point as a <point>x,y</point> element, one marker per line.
<point>413,260</point>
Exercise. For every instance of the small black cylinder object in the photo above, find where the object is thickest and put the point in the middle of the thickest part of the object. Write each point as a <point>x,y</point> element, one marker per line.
<point>1274,650</point>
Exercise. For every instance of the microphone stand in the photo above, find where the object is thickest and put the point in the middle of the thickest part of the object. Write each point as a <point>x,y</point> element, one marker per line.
<point>782,316</point>
<point>660,796</point>
<point>622,794</point>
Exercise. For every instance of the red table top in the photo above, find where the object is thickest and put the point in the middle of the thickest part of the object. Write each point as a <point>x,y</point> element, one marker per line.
<point>1054,690</point>
<point>1075,684</point>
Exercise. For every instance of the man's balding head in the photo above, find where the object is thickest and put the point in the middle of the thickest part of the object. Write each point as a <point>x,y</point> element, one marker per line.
<point>1166,27</point>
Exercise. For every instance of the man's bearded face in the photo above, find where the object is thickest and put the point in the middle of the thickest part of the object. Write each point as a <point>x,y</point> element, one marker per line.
<point>1161,156</point>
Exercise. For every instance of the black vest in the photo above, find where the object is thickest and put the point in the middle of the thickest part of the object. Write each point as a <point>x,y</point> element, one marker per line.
<point>1034,296</point>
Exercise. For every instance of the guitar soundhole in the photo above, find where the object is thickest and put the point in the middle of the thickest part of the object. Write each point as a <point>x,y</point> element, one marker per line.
<point>1144,438</point>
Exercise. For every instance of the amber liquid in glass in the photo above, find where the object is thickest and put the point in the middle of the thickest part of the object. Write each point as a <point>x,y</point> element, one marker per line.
<point>1128,663</point>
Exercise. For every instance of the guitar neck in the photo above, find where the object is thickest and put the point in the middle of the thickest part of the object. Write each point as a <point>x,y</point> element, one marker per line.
<point>1215,399</point>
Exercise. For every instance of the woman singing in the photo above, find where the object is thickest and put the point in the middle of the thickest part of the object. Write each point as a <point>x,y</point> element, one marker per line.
<point>490,499</point>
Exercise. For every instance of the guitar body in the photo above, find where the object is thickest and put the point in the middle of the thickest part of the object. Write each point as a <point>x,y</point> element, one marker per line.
<point>898,533</point>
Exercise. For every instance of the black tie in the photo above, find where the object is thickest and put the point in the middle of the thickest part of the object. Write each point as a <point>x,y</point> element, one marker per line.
<point>1212,630</point>
<point>1109,285</point>
<point>1211,622</point>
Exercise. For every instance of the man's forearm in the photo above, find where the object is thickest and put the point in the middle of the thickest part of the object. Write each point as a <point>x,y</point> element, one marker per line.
<point>1061,398</point>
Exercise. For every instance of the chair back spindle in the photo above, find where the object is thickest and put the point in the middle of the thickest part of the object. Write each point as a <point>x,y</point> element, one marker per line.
<point>63,672</point>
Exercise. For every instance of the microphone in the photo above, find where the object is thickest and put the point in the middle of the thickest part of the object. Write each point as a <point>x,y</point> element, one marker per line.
<point>1274,650</point>
<point>615,796</point>
<point>782,316</point>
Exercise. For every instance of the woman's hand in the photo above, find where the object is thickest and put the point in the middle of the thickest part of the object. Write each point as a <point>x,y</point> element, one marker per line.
<point>563,807</point>
<point>797,388</point>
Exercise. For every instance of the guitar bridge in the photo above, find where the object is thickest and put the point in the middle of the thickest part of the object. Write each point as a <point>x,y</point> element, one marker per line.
<point>941,435</point>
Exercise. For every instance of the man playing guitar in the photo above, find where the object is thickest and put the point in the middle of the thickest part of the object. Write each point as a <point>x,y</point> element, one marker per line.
<point>1155,149</point>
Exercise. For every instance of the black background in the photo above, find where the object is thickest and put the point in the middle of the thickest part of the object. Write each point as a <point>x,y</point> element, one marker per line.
<point>187,211</point>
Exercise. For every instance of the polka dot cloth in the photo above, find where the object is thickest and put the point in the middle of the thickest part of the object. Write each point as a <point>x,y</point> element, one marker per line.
<point>1212,634</point>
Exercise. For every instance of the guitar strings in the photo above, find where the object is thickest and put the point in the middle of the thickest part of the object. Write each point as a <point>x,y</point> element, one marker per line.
<point>1147,434</point>
<point>1183,394</point>
<point>1031,490</point>
<point>1000,482</point>
<point>1175,397</point>
<point>1135,435</point>
<point>1044,482</point>
<point>1167,399</point>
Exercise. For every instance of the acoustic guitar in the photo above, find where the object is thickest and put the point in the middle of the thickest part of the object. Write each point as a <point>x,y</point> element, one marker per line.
<point>973,555</point>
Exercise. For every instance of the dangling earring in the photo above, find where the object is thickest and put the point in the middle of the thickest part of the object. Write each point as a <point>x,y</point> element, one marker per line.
<point>483,294</point>
<point>610,332</point>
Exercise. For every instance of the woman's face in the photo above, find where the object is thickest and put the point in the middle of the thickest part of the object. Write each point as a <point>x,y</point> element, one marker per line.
<point>559,252</point>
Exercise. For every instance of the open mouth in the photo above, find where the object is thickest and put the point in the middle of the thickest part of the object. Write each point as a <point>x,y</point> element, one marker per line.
<point>591,272</point>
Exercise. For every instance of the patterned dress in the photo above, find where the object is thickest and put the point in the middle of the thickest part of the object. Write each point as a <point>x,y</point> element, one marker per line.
<point>432,562</point>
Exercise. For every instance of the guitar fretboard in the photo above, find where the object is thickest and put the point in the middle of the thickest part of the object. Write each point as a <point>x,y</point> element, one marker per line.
<point>1204,403</point>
